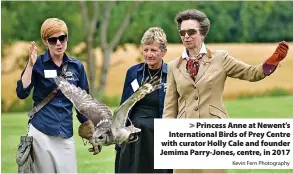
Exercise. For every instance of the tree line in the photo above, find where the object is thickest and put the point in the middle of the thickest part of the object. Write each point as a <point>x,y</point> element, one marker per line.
<point>243,21</point>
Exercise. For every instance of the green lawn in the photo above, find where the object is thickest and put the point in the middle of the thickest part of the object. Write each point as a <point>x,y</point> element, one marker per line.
<point>14,124</point>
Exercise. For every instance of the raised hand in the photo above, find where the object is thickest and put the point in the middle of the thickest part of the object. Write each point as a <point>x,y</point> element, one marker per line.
<point>32,53</point>
<point>279,54</point>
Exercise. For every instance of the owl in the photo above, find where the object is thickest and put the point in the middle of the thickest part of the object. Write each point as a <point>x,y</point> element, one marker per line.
<point>106,128</point>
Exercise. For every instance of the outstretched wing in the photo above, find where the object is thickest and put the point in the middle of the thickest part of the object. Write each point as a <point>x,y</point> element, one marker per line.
<point>121,113</point>
<point>83,102</point>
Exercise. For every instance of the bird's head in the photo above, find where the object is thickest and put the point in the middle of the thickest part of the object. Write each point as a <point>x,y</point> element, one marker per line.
<point>102,137</point>
<point>103,134</point>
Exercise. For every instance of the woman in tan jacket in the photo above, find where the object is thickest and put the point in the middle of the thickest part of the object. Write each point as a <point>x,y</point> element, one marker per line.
<point>195,80</point>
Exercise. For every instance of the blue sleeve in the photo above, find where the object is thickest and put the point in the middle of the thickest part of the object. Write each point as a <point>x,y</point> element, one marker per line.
<point>126,93</point>
<point>23,93</point>
<point>83,84</point>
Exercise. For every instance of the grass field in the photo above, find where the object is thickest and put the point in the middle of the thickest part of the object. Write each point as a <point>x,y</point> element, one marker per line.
<point>14,124</point>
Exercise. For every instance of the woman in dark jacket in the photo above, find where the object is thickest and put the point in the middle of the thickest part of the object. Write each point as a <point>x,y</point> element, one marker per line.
<point>138,157</point>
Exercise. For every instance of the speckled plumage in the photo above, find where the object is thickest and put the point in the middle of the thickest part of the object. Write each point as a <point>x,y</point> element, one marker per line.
<point>109,128</point>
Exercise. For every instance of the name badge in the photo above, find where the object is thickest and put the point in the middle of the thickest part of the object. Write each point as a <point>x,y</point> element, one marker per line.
<point>50,73</point>
<point>134,85</point>
<point>165,86</point>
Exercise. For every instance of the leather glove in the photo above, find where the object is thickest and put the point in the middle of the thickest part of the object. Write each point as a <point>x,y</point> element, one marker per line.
<point>279,54</point>
<point>86,131</point>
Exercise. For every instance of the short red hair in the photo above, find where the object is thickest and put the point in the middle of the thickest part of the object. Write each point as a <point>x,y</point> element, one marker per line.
<point>52,26</point>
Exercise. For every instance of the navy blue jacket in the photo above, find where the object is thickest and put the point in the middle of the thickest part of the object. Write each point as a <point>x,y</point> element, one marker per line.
<point>136,72</point>
<point>55,118</point>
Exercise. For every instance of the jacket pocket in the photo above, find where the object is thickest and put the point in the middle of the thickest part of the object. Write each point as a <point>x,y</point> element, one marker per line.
<point>217,112</point>
<point>181,109</point>
<point>182,115</point>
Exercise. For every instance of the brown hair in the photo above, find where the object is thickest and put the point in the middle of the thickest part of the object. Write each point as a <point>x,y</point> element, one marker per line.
<point>193,14</point>
<point>155,34</point>
<point>52,26</point>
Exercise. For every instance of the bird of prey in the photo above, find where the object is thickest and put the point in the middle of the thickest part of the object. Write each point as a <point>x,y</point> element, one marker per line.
<point>108,128</point>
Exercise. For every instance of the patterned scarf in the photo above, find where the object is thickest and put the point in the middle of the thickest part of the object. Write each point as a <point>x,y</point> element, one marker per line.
<point>192,66</point>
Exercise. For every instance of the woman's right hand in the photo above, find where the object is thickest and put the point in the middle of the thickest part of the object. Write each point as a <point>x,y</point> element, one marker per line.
<point>32,53</point>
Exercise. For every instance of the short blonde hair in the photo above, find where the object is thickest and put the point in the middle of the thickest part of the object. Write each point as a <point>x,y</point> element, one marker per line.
<point>52,26</point>
<point>155,34</point>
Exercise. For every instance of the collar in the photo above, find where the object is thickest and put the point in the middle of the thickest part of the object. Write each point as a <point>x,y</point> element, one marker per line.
<point>47,57</point>
<point>202,50</point>
<point>165,68</point>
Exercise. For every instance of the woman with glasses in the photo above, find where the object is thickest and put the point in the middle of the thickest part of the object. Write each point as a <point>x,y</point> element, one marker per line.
<point>196,79</point>
<point>138,157</point>
<point>51,126</point>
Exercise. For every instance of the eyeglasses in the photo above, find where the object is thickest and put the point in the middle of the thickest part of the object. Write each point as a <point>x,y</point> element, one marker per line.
<point>53,40</point>
<point>190,32</point>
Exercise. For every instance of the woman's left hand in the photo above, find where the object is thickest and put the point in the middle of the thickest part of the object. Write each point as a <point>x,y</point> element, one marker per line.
<point>279,54</point>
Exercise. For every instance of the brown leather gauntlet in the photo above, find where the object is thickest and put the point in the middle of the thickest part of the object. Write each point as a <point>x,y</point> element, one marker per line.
<point>86,131</point>
<point>279,54</point>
